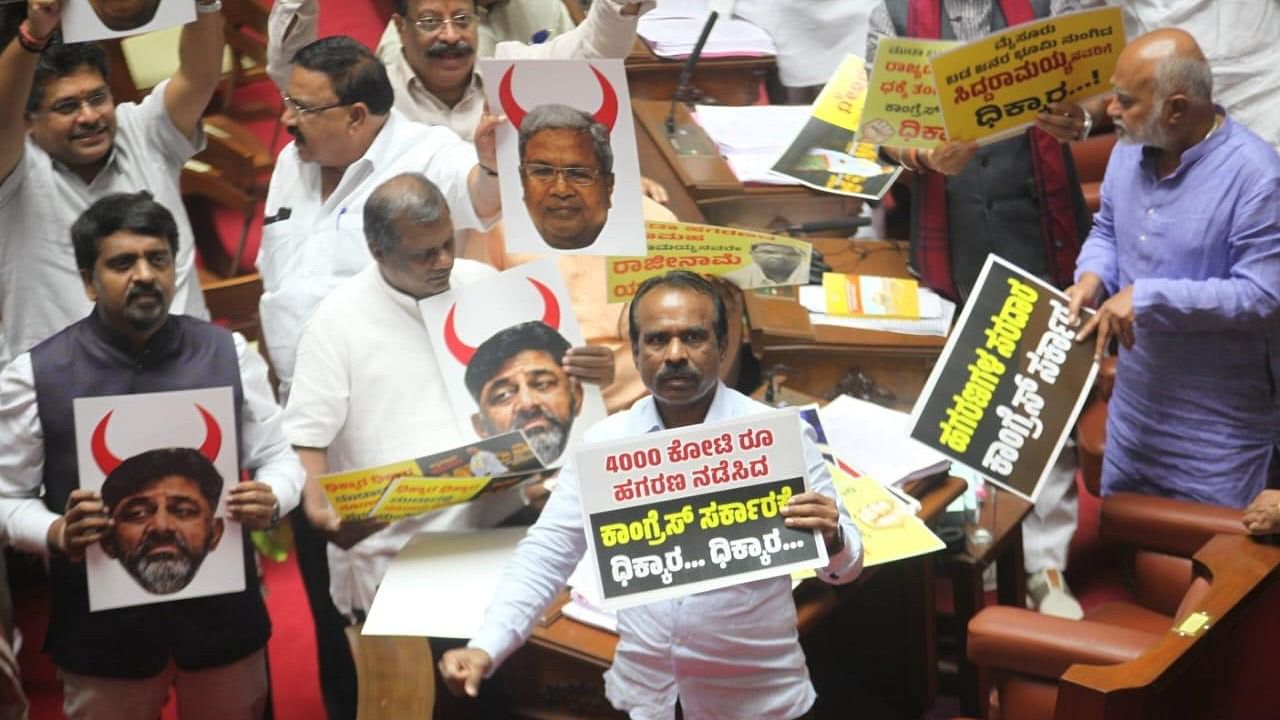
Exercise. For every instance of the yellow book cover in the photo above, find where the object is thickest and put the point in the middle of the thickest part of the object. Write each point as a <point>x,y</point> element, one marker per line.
<point>410,496</point>
<point>354,494</point>
<point>871,295</point>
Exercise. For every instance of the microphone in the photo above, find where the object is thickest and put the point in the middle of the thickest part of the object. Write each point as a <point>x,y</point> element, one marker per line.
<point>686,73</point>
<point>845,224</point>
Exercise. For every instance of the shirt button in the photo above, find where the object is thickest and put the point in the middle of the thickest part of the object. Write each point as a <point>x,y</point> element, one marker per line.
<point>1151,211</point>
<point>1142,237</point>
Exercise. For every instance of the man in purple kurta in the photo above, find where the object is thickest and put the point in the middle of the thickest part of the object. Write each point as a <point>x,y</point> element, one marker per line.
<point>1187,247</point>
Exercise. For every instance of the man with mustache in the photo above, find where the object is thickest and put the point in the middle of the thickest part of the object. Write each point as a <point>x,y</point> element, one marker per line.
<point>122,663</point>
<point>1186,253</point>
<point>772,264</point>
<point>368,391</point>
<point>64,142</point>
<point>726,653</point>
<point>519,382</point>
<point>566,169</point>
<point>162,504</point>
<point>431,46</point>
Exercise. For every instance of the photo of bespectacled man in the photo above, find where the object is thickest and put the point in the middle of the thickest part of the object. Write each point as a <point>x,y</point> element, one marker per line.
<point>518,382</point>
<point>566,170</point>
<point>161,503</point>
<point>91,20</point>
<point>124,15</point>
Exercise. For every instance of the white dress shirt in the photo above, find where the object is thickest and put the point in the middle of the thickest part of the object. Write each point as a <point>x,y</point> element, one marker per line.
<point>40,287</point>
<point>369,390</point>
<point>727,653</point>
<point>307,254</point>
<point>605,33</point>
<point>25,521</point>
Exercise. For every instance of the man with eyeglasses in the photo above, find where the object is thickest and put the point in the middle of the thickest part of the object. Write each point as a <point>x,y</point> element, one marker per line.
<point>566,168</point>
<point>64,142</point>
<point>430,55</point>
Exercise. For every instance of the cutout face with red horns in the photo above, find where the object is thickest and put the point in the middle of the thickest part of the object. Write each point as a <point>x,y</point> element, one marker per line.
<point>162,502</point>
<point>566,165</point>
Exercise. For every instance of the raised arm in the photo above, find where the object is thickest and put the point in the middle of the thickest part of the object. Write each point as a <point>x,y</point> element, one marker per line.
<point>199,69</point>
<point>292,25</point>
<point>17,70</point>
<point>609,31</point>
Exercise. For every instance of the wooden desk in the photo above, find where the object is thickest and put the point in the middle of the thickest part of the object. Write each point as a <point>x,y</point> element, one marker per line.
<point>715,81</point>
<point>558,674</point>
<point>703,189</point>
<point>823,355</point>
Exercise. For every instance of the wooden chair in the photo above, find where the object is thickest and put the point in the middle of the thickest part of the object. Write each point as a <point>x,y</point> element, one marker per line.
<point>1090,156</point>
<point>396,676</point>
<point>233,303</point>
<point>232,172</point>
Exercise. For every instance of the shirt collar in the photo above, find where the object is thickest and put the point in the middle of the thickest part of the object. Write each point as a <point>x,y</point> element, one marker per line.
<point>649,420</point>
<point>401,300</point>
<point>162,344</point>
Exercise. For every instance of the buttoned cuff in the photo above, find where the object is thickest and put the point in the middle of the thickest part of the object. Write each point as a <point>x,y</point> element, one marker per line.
<point>498,642</point>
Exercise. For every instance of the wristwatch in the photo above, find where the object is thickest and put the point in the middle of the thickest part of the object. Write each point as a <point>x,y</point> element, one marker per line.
<point>208,8</point>
<point>838,544</point>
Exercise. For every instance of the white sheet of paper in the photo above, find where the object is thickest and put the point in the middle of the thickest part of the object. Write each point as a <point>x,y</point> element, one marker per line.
<point>82,21</point>
<point>873,439</point>
<point>440,584</point>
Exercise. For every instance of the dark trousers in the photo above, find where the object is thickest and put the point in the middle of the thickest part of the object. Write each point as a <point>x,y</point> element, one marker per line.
<point>808,715</point>
<point>337,668</point>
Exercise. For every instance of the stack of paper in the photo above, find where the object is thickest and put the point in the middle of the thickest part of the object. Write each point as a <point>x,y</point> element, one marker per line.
<point>672,28</point>
<point>935,314</point>
<point>752,137</point>
<point>873,439</point>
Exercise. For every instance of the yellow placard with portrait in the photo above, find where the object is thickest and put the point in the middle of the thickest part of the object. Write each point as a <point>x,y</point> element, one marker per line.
<point>993,88</point>
<point>354,494</point>
<point>407,497</point>
<point>902,104</point>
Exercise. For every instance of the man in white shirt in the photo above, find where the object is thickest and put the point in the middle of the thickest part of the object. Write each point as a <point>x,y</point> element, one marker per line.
<point>727,653</point>
<point>771,264</point>
<point>347,141</point>
<point>64,143</point>
<point>369,391</point>
<point>430,55</point>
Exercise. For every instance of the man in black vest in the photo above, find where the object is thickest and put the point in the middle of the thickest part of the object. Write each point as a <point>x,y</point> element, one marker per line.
<point>121,663</point>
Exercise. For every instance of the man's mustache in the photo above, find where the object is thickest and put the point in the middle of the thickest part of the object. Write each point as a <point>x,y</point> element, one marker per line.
<point>139,291</point>
<point>524,417</point>
<point>152,540</point>
<point>296,132</point>
<point>679,372</point>
<point>84,131</point>
<point>440,49</point>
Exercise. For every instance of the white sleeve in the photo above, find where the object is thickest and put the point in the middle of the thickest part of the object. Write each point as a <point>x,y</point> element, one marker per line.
<point>265,452</point>
<point>604,33</point>
<point>449,164</point>
<point>536,572</point>
<point>24,520</point>
<point>320,395</point>
<point>292,25</point>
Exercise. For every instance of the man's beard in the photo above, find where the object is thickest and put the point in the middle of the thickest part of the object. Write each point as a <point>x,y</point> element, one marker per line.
<point>1149,135</point>
<point>165,574</point>
<point>547,443</point>
<point>139,318</point>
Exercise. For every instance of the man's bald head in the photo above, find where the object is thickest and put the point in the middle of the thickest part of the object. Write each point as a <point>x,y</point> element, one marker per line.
<point>1164,90</point>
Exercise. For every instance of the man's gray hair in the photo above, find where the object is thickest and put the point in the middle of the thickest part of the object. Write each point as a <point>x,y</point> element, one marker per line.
<point>1188,75</point>
<point>553,116</point>
<point>410,196</point>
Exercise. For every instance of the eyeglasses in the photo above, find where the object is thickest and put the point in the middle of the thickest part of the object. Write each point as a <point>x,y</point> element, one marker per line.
<point>302,110</point>
<point>546,174</point>
<point>71,106</point>
<point>432,24</point>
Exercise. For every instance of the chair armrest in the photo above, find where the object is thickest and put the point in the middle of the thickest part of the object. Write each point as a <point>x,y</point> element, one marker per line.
<point>1027,642</point>
<point>1174,527</point>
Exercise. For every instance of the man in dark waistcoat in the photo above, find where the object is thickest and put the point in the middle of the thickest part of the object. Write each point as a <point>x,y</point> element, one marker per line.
<point>1018,198</point>
<point>121,663</point>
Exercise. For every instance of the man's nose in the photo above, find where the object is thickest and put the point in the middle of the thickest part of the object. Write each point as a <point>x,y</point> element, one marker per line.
<point>676,354</point>
<point>87,114</point>
<point>143,272</point>
<point>449,33</point>
<point>162,521</point>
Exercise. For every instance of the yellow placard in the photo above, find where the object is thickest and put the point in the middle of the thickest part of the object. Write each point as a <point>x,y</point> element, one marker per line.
<point>902,104</point>
<point>841,100</point>
<point>993,88</point>
<point>355,494</point>
<point>410,496</point>
<point>889,529</point>
<point>710,250</point>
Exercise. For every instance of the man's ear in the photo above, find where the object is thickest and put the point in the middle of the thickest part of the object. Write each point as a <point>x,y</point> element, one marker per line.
<point>1175,108</point>
<point>109,546</point>
<point>218,527</point>
<point>91,292</point>
<point>477,422</point>
<point>608,190</point>
<point>577,396</point>
<point>357,115</point>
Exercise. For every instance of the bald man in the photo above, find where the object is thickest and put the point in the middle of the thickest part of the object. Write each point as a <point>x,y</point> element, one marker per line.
<point>1185,251</point>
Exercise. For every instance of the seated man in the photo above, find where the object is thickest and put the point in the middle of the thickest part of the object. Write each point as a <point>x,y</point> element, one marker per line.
<point>728,653</point>
<point>121,663</point>
<point>1187,247</point>
<point>369,391</point>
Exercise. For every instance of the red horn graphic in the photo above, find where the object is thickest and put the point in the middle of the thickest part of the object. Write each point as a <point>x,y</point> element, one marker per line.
<point>212,436</point>
<point>551,311</point>
<point>514,112</point>
<point>107,461</point>
<point>608,112</point>
<point>457,348</point>
<point>463,352</point>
